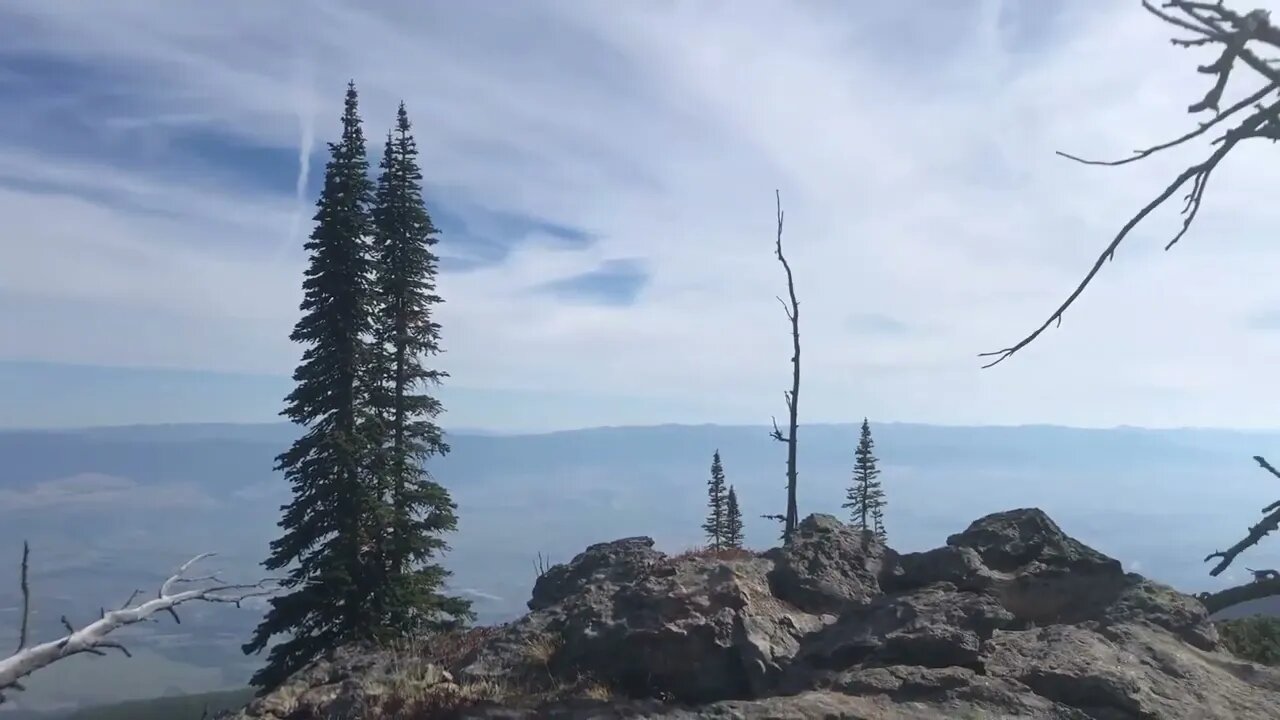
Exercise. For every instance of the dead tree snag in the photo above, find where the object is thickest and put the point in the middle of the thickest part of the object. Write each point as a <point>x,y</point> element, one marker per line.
<point>791,396</point>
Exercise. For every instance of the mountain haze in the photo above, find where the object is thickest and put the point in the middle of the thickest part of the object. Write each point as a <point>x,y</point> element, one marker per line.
<point>108,510</point>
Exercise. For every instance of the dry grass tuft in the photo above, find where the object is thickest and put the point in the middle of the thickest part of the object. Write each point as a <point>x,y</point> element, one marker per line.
<point>594,690</point>
<point>442,701</point>
<point>447,649</point>
<point>419,690</point>
<point>541,648</point>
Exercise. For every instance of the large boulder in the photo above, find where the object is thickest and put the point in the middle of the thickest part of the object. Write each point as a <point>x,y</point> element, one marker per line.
<point>828,567</point>
<point>601,566</point>
<point>1012,618</point>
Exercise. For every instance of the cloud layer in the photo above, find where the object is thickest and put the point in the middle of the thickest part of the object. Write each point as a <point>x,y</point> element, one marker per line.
<point>151,157</point>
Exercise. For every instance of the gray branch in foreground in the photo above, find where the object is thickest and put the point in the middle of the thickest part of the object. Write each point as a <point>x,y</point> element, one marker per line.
<point>93,638</point>
<point>1210,24</point>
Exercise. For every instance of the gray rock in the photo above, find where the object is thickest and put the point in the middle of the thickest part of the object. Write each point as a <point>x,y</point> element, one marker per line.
<point>829,567</point>
<point>1016,540</point>
<point>620,561</point>
<point>1012,619</point>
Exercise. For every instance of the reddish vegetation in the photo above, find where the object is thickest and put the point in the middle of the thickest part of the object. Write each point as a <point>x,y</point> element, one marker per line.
<point>710,552</point>
<point>451,648</point>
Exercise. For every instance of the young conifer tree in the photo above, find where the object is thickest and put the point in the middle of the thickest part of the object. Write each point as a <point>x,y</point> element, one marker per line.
<point>862,495</point>
<point>733,535</point>
<point>327,533</point>
<point>875,493</point>
<point>405,337</point>
<point>715,526</point>
<point>877,514</point>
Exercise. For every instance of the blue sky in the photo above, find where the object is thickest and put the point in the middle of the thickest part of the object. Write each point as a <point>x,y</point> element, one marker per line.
<point>603,174</point>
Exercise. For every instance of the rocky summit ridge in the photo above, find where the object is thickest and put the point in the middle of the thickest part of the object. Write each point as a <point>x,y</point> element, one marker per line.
<point>1012,618</point>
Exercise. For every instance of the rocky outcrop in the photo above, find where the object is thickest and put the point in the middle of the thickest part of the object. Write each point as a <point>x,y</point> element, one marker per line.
<point>1012,618</point>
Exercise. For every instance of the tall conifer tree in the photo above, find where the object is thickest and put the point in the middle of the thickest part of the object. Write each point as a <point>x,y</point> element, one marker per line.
<point>733,536</point>
<point>715,527</point>
<point>419,509</point>
<point>327,537</point>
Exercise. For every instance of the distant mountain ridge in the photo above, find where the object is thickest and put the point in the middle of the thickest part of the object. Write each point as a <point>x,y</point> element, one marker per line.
<point>111,509</point>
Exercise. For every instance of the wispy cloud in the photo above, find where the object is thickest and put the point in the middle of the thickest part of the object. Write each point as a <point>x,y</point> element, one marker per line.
<point>480,594</point>
<point>614,282</point>
<point>875,324</point>
<point>1264,320</point>
<point>912,142</point>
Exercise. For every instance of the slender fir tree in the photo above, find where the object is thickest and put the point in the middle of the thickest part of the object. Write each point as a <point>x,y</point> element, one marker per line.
<point>406,336</point>
<point>327,537</point>
<point>733,536</point>
<point>862,494</point>
<point>715,526</point>
<point>877,513</point>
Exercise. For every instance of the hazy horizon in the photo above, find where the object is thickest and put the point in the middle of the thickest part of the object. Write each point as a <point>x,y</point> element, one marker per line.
<point>474,430</point>
<point>193,397</point>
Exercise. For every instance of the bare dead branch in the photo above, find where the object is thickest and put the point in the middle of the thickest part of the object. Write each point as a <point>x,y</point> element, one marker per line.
<point>1266,465</point>
<point>1260,575</point>
<point>1208,31</point>
<point>792,396</point>
<point>777,433</point>
<point>1213,23</point>
<point>1269,523</point>
<point>542,564</point>
<point>1256,533</point>
<point>785,309</point>
<point>1213,602</point>
<point>92,638</point>
<point>1204,127</point>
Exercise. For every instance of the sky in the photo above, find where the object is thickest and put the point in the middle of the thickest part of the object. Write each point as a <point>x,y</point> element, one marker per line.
<point>604,177</point>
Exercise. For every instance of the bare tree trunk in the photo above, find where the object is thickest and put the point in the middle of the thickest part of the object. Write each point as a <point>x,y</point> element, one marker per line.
<point>792,396</point>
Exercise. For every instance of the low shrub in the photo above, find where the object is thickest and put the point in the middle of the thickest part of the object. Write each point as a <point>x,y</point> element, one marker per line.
<point>1254,638</point>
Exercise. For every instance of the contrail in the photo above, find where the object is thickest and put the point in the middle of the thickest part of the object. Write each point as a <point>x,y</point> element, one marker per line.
<point>304,109</point>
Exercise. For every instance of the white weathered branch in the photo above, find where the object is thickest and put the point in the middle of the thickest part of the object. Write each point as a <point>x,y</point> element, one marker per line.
<point>92,638</point>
